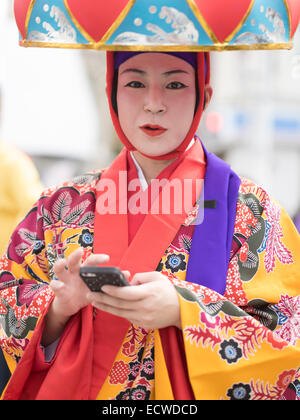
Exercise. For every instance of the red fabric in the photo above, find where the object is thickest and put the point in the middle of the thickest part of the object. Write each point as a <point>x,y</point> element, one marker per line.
<point>173,348</point>
<point>171,338</point>
<point>142,255</point>
<point>36,380</point>
<point>136,220</point>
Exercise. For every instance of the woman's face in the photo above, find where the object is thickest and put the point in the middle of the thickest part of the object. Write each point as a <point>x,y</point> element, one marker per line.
<point>156,102</point>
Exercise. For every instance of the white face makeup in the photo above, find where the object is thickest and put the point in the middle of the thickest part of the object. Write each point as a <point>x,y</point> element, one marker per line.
<point>156,102</point>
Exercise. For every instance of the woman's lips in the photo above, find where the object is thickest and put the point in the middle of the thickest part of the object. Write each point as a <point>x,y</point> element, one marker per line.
<point>153,130</point>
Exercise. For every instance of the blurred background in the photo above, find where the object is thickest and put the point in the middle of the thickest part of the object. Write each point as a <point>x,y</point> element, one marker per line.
<point>54,109</point>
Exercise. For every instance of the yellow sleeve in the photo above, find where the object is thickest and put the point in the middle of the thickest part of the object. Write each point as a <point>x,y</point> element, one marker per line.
<point>24,293</point>
<point>246,344</point>
<point>20,188</point>
<point>230,354</point>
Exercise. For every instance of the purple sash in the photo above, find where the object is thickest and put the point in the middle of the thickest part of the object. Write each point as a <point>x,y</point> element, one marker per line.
<point>212,239</point>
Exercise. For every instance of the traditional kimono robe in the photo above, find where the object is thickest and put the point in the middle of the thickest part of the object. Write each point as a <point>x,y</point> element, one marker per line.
<point>237,279</point>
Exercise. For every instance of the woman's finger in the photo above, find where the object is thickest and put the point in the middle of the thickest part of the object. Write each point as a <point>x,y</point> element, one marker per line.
<point>96,259</point>
<point>132,293</point>
<point>105,299</point>
<point>142,278</point>
<point>74,261</point>
<point>126,274</point>
<point>59,268</point>
<point>56,285</point>
<point>123,313</point>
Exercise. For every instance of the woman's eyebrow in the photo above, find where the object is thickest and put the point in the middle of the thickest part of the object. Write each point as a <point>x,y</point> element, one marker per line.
<point>134,71</point>
<point>143,73</point>
<point>170,73</point>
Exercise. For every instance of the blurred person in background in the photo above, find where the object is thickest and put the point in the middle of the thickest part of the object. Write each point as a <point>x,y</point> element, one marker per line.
<point>20,187</point>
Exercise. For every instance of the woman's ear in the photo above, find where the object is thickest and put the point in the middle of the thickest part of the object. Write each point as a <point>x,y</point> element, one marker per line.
<point>208,93</point>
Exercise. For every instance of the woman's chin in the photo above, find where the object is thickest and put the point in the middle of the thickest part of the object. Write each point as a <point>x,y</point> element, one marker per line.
<point>153,154</point>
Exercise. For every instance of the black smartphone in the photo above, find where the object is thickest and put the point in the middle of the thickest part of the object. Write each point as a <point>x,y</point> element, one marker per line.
<point>97,277</point>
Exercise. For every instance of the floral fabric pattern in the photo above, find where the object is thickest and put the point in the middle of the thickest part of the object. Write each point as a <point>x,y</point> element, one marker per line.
<point>254,322</point>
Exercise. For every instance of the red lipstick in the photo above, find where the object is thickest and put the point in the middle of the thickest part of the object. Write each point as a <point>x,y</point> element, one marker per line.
<point>153,130</point>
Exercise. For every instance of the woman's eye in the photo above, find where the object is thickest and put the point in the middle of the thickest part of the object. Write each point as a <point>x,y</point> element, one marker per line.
<point>135,84</point>
<point>176,85</point>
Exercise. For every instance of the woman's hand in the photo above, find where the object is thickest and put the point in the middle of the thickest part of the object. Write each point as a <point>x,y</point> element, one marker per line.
<point>70,293</point>
<point>150,301</point>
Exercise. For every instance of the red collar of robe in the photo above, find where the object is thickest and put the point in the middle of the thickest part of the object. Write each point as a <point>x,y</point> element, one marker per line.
<point>146,249</point>
<point>154,233</point>
<point>137,196</point>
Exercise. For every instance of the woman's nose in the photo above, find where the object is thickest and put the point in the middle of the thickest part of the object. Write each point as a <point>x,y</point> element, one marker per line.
<point>154,102</point>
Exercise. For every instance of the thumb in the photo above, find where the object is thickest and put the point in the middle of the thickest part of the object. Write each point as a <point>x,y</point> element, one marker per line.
<point>127,274</point>
<point>142,278</point>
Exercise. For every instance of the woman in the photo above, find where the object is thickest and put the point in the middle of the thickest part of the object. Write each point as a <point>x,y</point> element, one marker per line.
<point>212,306</point>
